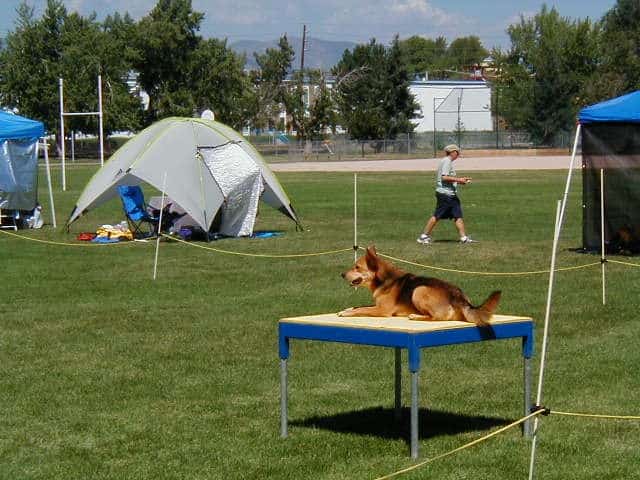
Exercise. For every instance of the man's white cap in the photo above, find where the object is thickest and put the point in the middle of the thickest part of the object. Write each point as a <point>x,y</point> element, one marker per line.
<point>452,148</point>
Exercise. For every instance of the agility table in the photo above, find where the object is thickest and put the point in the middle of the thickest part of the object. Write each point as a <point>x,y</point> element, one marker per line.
<point>399,333</point>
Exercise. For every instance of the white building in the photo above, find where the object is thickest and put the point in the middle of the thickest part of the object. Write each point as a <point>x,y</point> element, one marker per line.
<point>450,105</point>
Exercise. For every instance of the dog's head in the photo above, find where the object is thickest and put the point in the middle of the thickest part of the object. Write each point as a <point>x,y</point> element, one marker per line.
<point>363,272</point>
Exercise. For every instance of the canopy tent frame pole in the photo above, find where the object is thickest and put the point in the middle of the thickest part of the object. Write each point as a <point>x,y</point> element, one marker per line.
<point>603,260</point>
<point>99,114</point>
<point>45,147</point>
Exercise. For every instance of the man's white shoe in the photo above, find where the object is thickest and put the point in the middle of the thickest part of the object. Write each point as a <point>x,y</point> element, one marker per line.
<point>467,239</point>
<point>424,239</point>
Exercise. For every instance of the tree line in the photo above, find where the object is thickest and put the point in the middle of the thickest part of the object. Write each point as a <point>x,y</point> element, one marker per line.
<point>554,66</point>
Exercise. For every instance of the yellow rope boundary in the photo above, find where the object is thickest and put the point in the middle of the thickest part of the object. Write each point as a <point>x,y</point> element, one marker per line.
<point>463,447</point>
<point>330,252</point>
<point>504,429</point>
<point>51,242</point>
<point>261,255</point>
<point>471,272</point>
<point>596,415</point>
<point>623,263</point>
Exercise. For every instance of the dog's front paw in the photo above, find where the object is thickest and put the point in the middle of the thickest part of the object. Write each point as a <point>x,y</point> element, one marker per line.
<point>345,313</point>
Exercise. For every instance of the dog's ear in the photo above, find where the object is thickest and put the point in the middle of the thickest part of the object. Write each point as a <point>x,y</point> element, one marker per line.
<point>371,257</point>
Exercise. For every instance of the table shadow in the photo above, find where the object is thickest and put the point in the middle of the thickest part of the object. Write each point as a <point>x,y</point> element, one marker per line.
<point>381,422</point>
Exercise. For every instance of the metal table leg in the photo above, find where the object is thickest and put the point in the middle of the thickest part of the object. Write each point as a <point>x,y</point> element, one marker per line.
<point>414,414</point>
<point>283,398</point>
<point>527,397</point>
<point>398,385</point>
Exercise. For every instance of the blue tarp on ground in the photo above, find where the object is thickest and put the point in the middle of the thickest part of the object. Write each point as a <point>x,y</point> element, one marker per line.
<point>624,109</point>
<point>14,127</point>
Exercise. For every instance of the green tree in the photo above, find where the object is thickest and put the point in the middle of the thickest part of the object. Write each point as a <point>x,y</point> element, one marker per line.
<point>619,68</point>
<point>373,96</point>
<point>218,82</point>
<point>424,55</point>
<point>464,52</point>
<point>72,47</point>
<point>308,103</point>
<point>165,42</point>
<point>550,59</point>
<point>268,81</point>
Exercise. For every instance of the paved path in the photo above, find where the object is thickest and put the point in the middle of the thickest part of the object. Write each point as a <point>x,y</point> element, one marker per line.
<point>560,162</point>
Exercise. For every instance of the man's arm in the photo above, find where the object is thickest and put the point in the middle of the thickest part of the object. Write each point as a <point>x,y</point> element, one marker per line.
<point>449,178</point>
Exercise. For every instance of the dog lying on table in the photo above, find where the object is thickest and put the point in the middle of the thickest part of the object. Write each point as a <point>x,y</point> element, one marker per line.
<point>400,294</point>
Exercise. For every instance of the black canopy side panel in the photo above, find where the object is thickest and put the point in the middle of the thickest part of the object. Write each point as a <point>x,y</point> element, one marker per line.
<point>614,148</point>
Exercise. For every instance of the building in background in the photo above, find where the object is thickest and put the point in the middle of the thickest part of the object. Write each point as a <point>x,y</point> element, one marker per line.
<point>452,105</point>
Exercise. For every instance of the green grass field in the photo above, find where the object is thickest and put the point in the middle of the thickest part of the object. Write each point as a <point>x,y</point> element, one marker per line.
<point>108,374</point>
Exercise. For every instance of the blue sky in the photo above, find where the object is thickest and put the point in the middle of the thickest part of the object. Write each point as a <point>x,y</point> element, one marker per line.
<point>350,20</point>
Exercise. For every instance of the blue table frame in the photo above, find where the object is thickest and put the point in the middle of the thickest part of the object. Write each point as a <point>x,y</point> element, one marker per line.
<point>399,333</point>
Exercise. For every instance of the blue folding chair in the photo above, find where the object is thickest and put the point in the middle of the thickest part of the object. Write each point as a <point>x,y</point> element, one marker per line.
<point>141,223</point>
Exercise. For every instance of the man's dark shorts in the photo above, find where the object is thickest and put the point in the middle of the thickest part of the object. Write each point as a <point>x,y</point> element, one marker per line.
<point>447,206</point>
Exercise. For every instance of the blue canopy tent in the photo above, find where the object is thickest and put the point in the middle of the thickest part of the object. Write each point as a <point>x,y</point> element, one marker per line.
<point>19,138</point>
<point>610,133</point>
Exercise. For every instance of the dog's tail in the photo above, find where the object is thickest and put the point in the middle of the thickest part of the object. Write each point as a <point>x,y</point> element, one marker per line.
<point>482,314</point>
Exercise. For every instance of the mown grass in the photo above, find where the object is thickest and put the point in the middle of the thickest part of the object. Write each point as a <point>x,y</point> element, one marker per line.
<point>107,374</point>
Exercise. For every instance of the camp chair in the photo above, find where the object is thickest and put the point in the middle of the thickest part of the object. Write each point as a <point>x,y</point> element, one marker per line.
<point>141,223</point>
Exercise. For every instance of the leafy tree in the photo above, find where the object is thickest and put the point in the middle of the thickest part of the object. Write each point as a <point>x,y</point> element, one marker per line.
<point>373,95</point>
<point>465,52</point>
<point>550,59</point>
<point>219,82</point>
<point>268,81</point>
<point>29,65</point>
<point>165,41</point>
<point>619,69</point>
<point>423,55</point>
<point>72,47</point>
<point>311,111</point>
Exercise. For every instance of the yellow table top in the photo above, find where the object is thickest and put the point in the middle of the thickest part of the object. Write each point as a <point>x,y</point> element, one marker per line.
<point>393,324</point>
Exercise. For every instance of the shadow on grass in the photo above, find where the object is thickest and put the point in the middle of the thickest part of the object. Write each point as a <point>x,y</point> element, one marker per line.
<point>381,422</point>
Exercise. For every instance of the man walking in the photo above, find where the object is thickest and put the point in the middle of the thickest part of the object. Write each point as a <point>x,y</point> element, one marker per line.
<point>447,201</point>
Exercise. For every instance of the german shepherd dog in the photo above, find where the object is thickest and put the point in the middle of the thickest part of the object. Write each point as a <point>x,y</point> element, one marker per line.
<point>400,294</point>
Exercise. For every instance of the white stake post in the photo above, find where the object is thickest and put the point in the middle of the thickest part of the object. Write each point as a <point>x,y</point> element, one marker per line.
<point>602,257</point>
<point>100,116</point>
<point>545,335</point>
<point>355,217</point>
<point>155,263</point>
<point>62,146</point>
<point>46,161</point>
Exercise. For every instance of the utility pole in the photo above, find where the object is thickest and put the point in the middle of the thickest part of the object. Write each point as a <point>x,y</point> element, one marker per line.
<point>304,46</point>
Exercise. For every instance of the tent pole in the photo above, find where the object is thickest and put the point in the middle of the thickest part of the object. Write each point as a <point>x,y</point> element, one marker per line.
<point>545,335</point>
<point>355,217</point>
<point>155,263</point>
<point>602,257</point>
<point>46,161</point>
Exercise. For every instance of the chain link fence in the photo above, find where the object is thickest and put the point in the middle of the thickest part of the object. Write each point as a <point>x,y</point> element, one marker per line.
<point>282,148</point>
<point>414,145</point>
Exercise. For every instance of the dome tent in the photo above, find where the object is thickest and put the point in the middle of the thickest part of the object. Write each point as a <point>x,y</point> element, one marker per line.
<point>209,167</point>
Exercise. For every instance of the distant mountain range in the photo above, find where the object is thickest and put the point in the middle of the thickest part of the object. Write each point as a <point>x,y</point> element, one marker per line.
<point>321,54</point>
